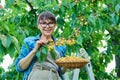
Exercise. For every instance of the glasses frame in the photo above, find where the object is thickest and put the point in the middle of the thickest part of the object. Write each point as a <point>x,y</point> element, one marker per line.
<point>44,25</point>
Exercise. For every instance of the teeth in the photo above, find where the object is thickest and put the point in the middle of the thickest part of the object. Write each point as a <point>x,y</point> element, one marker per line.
<point>47,31</point>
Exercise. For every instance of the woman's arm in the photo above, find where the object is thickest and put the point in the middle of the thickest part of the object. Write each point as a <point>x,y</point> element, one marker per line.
<point>25,62</point>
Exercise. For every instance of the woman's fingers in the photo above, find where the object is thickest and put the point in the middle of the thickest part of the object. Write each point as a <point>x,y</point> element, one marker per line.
<point>40,43</point>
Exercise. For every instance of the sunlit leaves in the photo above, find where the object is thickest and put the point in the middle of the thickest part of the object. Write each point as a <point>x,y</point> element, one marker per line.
<point>42,53</point>
<point>53,54</point>
<point>114,18</point>
<point>80,40</point>
<point>18,20</point>
<point>15,42</point>
<point>1,52</point>
<point>4,27</point>
<point>117,9</point>
<point>6,40</point>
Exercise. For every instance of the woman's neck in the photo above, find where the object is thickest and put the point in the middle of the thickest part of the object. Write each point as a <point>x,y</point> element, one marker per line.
<point>46,37</point>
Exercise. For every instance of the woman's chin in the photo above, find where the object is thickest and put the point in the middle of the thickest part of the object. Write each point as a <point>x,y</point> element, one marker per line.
<point>47,34</point>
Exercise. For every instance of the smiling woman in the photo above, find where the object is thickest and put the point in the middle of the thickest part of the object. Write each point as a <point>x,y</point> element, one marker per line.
<point>33,50</point>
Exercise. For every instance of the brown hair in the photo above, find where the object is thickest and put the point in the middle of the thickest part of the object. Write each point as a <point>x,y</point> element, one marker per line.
<point>46,15</point>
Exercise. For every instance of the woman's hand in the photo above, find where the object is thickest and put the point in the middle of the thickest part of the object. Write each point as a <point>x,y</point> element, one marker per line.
<point>39,43</point>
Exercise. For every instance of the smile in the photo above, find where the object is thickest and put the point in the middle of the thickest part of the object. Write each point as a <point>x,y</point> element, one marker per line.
<point>47,30</point>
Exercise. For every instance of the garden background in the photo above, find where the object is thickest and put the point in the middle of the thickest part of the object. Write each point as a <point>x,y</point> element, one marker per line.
<point>97,23</point>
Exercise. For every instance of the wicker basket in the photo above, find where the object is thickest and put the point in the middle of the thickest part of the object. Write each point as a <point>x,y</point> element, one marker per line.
<point>72,64</point>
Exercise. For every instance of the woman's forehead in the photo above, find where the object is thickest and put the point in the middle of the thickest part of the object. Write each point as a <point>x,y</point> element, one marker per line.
<point>46,20</point>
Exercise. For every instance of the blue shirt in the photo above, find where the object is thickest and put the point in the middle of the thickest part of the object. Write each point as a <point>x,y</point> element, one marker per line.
<point>27,47</point>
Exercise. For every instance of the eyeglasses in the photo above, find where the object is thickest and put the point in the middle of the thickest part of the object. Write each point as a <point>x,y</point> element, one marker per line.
<point>44,25</point>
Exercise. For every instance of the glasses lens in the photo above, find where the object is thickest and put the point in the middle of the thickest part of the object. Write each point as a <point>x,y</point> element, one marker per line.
<point>43,25</point>
<point>47,24</point>
<point>51,25</point>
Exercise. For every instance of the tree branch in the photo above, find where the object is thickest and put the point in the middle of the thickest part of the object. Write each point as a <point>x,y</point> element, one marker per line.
<point>29,4</point>
<point>31,7</point>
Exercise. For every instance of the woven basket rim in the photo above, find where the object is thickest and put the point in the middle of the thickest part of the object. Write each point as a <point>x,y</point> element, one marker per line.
<point>73,62</point>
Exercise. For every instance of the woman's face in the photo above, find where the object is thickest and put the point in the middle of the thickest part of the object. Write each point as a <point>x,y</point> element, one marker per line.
<point>46,27</point>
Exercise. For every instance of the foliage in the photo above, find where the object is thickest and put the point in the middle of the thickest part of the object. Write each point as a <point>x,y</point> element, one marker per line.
<point>92,18</point>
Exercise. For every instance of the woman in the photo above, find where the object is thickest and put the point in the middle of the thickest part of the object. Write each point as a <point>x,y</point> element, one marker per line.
<point>27,61</point>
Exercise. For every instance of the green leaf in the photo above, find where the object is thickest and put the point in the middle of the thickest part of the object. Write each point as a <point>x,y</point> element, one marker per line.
<point>56,8</point>
<point>38,55</point>
<point>92,19</point>
<point>11,50</point>
<point>114,18</point>
<point>1,58</point>
<point>100,23</point>
<point>4,27</point>
<point>15,41</point>
<point>1,49</point>
<point>6,40</point>
<point>71,5</point>
<point>62,9</point>
<point>53,54</point>
<point>79,40</point>
<point>42,53</point>
<point>44,49</point>
<point>69,51</point>
<point>67,32</point>
<point>117,8</point>
<point>73,16</point>
<point>60,21</point>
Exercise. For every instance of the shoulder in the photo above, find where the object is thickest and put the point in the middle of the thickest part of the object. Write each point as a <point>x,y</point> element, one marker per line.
<point>31,41</point>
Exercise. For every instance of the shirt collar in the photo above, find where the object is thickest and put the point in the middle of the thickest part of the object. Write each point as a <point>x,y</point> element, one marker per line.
<point>38,36</point>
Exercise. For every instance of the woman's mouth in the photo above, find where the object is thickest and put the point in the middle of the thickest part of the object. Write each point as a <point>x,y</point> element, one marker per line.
<point>47,31</point>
